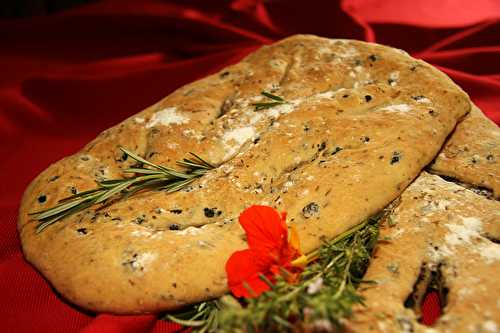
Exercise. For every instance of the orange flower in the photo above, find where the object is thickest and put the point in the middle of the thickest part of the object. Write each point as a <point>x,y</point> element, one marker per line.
<point>270,252</point>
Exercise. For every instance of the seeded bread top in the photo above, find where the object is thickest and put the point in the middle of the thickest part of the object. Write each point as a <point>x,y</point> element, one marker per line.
<point>360,122</point>
<point>440,235</point>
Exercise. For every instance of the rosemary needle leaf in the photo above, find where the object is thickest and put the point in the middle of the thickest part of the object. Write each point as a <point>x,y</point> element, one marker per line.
<point>140,159</point>
<point>271,96</point>
<point>190,164</point>
<point>203,161</point>
<point>191,323</point>
<point>178,185</point>
<point>81,195</point>
<point>111,183</point>
<point>282,321</point>
<point>262,106</point>
<point>152,183</point>
<point>143,171</point>
<point>277,100</point>
<point>115,190</point>
<point>177,174</point>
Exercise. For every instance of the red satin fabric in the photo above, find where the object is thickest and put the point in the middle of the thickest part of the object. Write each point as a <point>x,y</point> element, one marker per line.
<point>64,78</point>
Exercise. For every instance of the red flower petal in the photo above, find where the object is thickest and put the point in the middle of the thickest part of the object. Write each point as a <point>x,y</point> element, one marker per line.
<point>243,269</point>
<point>269,252</point>
<point>266,230</point>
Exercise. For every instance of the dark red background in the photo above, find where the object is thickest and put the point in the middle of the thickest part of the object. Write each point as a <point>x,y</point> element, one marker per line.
<point>64,78</point>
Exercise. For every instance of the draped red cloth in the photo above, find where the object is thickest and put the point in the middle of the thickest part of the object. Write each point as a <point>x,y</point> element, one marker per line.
<point>64,78</point>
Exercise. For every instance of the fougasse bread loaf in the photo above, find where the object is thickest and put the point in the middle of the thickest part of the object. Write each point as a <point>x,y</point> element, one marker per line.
<point>358,123</point>
<point>440,234</point>
<point>472,154</point>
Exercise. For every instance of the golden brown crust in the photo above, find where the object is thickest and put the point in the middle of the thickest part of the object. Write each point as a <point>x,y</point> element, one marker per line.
<point>472,154</point>
<point>354,134</point>
<point>443,228</point>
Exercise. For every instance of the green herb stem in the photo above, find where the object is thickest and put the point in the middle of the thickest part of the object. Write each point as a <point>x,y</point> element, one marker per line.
<point>148,176</point>
<point>275,101</point>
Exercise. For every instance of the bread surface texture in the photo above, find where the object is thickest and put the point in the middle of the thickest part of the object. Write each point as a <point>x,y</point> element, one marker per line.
<point>439,234</point>
<point>360,122</point>
<point>472,154</point>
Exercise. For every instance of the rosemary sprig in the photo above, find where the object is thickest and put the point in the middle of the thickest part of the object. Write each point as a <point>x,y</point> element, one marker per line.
<point>324,295</point>
<point>147,176</point>
<point>276,100</point>
<point>203,317</point>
